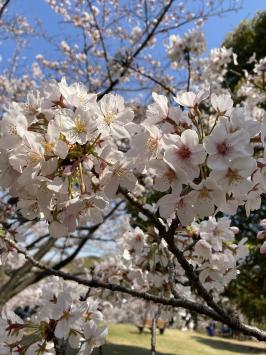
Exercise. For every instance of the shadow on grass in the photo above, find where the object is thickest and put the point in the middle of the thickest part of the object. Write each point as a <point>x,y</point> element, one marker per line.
<point>117,349</point>
<point>224,345</point>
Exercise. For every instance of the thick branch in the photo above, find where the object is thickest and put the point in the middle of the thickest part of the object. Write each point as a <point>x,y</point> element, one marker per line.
<point>168,236</point>
<point>3,7</point>
<point>180,302</point>
<point>131,58</point>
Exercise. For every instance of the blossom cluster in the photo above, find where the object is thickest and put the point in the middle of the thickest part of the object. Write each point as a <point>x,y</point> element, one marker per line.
<point>53,154</point>
<point>210,246</point>
<point>65,156</point>
<point>216,254</point>
<point>179,48</point>
<point>262,235</point>
<point>253,87</point>
<point>61,316</point>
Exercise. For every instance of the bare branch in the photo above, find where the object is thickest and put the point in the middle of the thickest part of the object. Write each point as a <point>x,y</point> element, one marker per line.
<point>3,7</point>
<point>131,58</point>
<point>105,54</point>
<point>180,302</point>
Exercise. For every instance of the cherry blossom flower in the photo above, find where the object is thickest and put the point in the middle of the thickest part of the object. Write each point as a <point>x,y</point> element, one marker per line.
<point>205,197</point>
<point>234,179</point>
<point>166,177</point>
<point>222,104</point>
<point>223,147</point>
<point>76,95</point>
<point>168,204</point>
<point>186,153</point>
<point>113,116</point>
<point>216,232</point>
<point>94,337</point>
<point>78,126</point>
<point>190,99</point>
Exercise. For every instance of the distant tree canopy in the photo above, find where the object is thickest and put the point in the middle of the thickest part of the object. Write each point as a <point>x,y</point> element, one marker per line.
<point>246,39</point>
<point>250,298</point>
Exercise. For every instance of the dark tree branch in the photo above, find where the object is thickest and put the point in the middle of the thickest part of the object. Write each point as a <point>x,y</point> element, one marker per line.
<point>3,7</point>
<point>188,70</point>
<point>180,302</point>
<point>105,54</point>
<point>130,59</point>
<point>168,236</point>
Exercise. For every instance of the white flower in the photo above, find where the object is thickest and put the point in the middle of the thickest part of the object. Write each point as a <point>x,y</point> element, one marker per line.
<point>216,232</point>
<point>186,153</point>
<point>222,104</point>
<point>135,240</point>
<point>164,117</point>
<point>53,144</point>
<point>11,329</point>
<point>118,174</point>
<point>94,337</point>
<point>157,111</point>
<point>190,99</point>
<point>203,249</point>
<point>166,177</point>
<point>182,206</point>
<point>66,313</point>
<point>113,116</point>
<point>242,250</point>
<point>78,127</point>
<point>13,128</point>
<point>223,147</point>
<point>40,348</point>
<point>87,208</point>
<point>33,106</point>
<point>145,144</point>
<point>57,229</point>
<point>205,197</point>
<point>8,176</point>
<point>29,208</point>
<point>76,95</point>
<point>234,179</point>
<point>241,119</point>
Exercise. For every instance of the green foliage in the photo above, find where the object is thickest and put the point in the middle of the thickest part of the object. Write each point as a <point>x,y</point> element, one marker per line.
<point>246,39</point>
<point>249,289</point>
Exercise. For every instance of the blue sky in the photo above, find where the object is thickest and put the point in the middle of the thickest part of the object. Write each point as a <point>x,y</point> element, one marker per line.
<point>215,28</point>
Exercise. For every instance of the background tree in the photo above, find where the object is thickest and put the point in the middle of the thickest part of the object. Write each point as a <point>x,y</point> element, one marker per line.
<point>247,41</point>
<point>114,50</point>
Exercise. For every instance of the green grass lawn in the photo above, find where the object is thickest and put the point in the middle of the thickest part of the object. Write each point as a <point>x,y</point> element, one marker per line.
<point>124,339</point>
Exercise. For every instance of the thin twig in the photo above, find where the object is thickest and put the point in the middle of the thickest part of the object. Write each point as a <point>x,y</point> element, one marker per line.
<point>131,58</point>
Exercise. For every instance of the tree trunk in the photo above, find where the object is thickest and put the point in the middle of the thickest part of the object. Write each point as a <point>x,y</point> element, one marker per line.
<point>153,330</point>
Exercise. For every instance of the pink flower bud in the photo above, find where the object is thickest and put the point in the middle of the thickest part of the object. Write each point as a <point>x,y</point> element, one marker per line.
<point>263,223</point>
<point>261,235</point>
<point>234,229</point>
<point>263,248</point>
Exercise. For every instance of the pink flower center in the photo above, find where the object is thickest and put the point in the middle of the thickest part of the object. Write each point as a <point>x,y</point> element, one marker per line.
<point>184,152</point>
<point>138,238</point>
<point>170,175</point>
<point>222,148</point>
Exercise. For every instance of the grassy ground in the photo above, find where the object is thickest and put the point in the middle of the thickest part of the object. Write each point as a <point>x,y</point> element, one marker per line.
<point>124,339</point>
